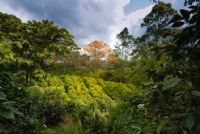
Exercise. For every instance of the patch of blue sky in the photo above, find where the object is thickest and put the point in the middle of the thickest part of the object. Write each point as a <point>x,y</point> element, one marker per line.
<point>137,4</point>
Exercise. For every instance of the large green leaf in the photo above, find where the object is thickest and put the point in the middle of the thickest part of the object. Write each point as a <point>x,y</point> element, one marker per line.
<point>170,83</point>
<point>2,96</point>
<point>7,114</point>
<point>195,93</point>
<point>189,121</point>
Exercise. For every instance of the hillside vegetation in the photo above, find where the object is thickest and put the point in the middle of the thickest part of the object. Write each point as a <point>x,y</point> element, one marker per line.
<point>146,85</point>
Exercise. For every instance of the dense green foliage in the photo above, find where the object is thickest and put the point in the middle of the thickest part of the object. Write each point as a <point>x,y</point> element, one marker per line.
<point>174,68</point>
<point>32,45</point>
<point>52,99</point>
<point>48,87</point>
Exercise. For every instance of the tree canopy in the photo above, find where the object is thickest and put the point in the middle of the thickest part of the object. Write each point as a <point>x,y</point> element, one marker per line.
<point>146,85</point>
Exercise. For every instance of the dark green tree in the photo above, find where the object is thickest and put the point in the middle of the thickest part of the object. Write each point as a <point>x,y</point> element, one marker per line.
<point>174,70</point>
<point>126,40</point>
<point>34,43</point>
<point>149,48</point>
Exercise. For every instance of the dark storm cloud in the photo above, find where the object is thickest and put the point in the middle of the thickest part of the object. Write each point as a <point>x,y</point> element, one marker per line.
<point>84,18</point>
<point>61,11</point>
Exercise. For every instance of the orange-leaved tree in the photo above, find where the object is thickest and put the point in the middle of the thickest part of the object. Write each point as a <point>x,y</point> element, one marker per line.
<point>98,51</point>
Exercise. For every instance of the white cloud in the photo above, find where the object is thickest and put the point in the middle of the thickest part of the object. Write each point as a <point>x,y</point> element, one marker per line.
<point>132,21</point>
<point>111,19</point>
<point>98,17</point>
<point>178,4</point>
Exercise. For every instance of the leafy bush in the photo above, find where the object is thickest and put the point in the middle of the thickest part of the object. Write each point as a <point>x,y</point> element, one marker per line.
<point>49,99</point>
<point>70,128</point>
<point>120,91</point>
<point>130,119</point>
<point>15,115</point>
<point>89,100</point>
<point>50,103</point>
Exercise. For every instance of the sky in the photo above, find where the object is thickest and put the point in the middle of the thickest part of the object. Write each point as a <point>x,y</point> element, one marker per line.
<point>87,19</point>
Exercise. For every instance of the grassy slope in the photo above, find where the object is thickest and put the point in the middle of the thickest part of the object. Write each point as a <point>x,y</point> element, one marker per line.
<point>85,100</point>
